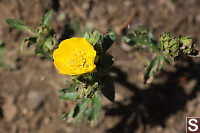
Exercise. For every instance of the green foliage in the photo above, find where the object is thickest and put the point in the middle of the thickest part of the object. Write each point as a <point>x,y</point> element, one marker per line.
<point>94,38</point>
<point>16,24</point>
<point>108,39</point>
<point>30,40</point>
<point>142,38</point>
<point>46,18</point>
<point>85,107</point>
<point>77,113</point>
<point>155,65</point>
<point>174,47</point>
<point>86,87</point>
<point>168,49</point>
<point>43,36</point>
<point>81,110</point>
<point>69,96</point>
<point>69,93</point>
<point>101,42</point>
<point>94,112</point>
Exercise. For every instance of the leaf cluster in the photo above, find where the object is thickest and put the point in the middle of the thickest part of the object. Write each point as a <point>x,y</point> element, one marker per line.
<point>175,47</point>
<point>144,39</point>
<point>43,36</point>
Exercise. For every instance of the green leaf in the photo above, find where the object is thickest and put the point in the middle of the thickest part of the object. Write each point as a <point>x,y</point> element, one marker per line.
<point>22,44</point>
<point>71,113</point>
<point>108,39</point>
<point>31,40</point>
<point>128,39</point>
<point>94,112</point>
<point>39,50</point>
<point>94,37</point>
<point>69,96</point>
<point>142,38</point>
<point>48,43</point>
<point>108,89</point>
<point>155,65</point>
<point>16,24</point>
<point>71,88</point>
<point>96,102</point>
<point>69,93</point>
<point>46,18</point>
<point>82,108</point>
<point>87,36</point>
<point>105,62</point>
<point>89,114</point>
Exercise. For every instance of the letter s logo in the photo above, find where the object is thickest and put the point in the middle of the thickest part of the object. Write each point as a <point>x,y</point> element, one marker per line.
<point>193,124</point>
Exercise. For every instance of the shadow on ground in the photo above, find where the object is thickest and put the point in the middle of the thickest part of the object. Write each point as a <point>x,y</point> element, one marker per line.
<point>154,105</point>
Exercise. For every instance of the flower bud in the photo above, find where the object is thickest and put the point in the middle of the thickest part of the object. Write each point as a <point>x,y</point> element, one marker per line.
<point>165,37</point>
<point>43,31</point>
<point>173,47</point>
<point>187,44</point>
<point>93,37</point>
<point>169,45</point>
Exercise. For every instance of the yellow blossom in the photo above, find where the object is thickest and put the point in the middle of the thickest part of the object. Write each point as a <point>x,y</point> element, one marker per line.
<point>75,56</point>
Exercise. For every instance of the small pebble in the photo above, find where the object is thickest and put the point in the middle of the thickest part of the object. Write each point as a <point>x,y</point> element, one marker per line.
<point>34,100</point>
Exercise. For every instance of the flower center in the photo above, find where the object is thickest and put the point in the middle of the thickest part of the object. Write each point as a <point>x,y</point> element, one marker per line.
<point>79,60</point>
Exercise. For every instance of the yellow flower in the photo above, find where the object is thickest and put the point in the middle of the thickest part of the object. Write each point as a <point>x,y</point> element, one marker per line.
<point>74,56</point>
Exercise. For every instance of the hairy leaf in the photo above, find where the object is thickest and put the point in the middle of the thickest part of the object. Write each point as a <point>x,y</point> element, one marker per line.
<point>108,39</point>
<point>69,93</point>
<point>142,38</point>
<point>16,24</point>
<point>96,103</point>
<point>94,112</point>
<point>69,96</point>
<point>39,50</point>
<point>82,108</point>
<point>155,65</point>
<point>46,18</point>
<point>31,40</point>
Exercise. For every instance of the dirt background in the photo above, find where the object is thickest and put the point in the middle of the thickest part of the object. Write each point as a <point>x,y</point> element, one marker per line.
<point>28,98</point>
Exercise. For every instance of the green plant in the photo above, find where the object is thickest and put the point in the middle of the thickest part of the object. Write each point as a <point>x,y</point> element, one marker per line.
<point>89,74</point>
<point>86,87</point>
<point>168,49</point>
<point>43,36</point>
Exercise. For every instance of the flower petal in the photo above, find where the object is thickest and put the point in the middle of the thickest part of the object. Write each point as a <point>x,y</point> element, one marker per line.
<point>75,51</point>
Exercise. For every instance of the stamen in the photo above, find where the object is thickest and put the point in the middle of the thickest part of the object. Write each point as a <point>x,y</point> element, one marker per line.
<point>79,60</point>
